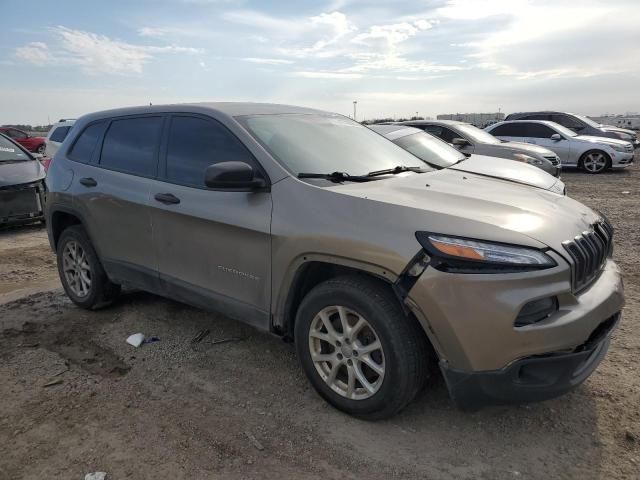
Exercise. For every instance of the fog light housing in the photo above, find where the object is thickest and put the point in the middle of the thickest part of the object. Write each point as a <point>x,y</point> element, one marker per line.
<point>536,311</point>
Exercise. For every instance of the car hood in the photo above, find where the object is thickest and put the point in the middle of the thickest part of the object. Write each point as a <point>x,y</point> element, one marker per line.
<point>611,128</point>
<point>510,170</point>
<point>528,148</point>
<point>465,204</point>
<point>602,140</point>
<point>17,173</point>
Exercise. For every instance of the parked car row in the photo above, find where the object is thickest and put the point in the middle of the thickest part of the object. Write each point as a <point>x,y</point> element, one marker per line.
<point>378,257</point>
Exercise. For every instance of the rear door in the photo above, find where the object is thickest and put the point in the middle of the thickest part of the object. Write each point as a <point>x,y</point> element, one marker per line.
<point>213,246</point>
<point>116,161</point>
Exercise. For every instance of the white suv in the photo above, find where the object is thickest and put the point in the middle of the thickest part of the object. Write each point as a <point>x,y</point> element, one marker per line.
<point>593,154</point>
<point>57,134</point>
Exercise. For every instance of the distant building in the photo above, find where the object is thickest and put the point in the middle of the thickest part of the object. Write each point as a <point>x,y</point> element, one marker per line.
<point>480,120</point>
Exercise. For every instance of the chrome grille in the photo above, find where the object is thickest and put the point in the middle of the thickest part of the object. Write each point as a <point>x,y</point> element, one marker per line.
<point>554,160</point>
<point>589,251</point>
<point>628,147</point>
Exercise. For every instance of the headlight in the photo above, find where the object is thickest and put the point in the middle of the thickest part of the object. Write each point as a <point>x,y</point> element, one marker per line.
<point>468,256</point>
<point>527,159</point>
<point>618,148</point>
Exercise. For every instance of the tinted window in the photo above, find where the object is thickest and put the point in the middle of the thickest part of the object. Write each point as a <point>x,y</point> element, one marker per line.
<point>59,134</point>
<point>83,148</point>
<point>440,132</point>
<point>538,130</point>
<point>508,130</point>
<point>567,121</point>
<point>196,143</point>
<point>536,116</point>
<point>13,133</point>
<point>130,145</point>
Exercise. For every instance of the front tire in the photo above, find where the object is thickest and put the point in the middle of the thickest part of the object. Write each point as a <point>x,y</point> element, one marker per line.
<point>595,161</point>
<point>81,272</point>
<point>359,350</point>
<point>41,149</point>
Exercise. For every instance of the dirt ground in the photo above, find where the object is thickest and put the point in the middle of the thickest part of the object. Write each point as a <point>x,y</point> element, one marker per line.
<point>242,409</point>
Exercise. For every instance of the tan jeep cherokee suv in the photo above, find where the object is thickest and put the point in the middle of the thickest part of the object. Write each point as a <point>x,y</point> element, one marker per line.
<point>312,227</point>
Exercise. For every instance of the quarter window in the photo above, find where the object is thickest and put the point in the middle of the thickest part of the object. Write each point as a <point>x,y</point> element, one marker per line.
<point>194,144</point>
<point>85,145</point>
<point>130,145</point>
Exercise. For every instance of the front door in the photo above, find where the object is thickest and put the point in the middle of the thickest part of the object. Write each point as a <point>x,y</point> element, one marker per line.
<point>213,247</point>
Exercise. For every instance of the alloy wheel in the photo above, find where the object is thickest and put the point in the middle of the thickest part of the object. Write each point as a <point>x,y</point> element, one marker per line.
<point>346,352</point>
<point>595,162</point>
<point>76,268</point>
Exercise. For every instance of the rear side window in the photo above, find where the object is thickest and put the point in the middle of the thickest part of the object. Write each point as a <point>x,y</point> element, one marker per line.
<point>85,145</point>
<point>538,130</point>
<point>194,144</point>
<point>130,145</point>
<point>441,132</point>
<point>59,134</point>
<point>508,130</point>
<point>568,121</point>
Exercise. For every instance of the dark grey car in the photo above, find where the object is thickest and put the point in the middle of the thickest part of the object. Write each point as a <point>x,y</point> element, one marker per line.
<point>22,190</point>
<point>580,124</point>
<point>310,226</point>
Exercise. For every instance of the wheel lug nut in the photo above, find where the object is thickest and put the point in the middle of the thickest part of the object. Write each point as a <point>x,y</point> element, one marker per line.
<point>339,356</point>
<point>350,362</point>
<point>355,353</point>
<point>338,344</point>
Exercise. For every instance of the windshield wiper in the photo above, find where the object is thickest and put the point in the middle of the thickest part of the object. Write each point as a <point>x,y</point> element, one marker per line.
<point>336,177</point>
<point>395,171</point>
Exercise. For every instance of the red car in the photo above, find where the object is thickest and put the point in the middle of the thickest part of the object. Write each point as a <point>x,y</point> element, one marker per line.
<point>33,144</point>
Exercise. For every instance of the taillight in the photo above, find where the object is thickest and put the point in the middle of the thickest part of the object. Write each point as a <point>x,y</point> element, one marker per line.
<point>45,163</point>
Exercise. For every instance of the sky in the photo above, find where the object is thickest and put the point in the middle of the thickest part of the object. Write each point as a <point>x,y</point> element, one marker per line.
<point>395,58</point>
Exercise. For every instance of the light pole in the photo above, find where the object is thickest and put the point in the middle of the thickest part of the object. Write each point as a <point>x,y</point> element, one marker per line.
<point>354,110</point>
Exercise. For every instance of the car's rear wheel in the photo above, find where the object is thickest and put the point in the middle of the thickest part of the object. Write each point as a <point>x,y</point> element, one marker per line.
<point>41,149</point>
<point>81,272</point>
<point>359,349</point>
<point>595,161</point>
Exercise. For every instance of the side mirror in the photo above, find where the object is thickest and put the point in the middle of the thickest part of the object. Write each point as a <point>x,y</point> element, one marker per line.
<point>556,137</point>
<point>233,176</point>
<point>460,142</point>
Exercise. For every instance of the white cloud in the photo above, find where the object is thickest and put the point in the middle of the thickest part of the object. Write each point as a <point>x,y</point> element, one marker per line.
<point>328,75</point>
<point>393,34</point>
<point>152,32</point>
<point>35,52</point>
<point>268,61</point>
<point>95,53</point>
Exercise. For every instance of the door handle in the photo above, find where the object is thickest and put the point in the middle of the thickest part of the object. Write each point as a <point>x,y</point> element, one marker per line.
<point>167,198</point>
<point>88,182</point>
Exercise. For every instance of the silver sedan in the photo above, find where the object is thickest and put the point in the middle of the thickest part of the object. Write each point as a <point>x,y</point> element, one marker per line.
<point>592,154</point>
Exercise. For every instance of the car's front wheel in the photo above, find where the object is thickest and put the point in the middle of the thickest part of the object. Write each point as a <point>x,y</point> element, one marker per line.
<point>81,272</point>
<point>595,161</point>
<point>41,149</point>
<point>358,348</point>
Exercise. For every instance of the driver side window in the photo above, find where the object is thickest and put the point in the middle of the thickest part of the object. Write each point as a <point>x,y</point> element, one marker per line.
<point>195,143</point>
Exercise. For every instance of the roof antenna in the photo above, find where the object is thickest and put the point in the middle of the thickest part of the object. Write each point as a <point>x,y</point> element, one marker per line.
<point>150,103</point>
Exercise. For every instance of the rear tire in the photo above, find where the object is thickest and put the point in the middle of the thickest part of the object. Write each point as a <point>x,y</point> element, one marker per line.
<point>374,368</point>
<point>595,161</point>
<point>81,272</point>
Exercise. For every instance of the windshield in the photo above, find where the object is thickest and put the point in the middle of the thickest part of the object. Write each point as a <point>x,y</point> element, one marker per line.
<point>10,153</point>
<point>587,120</point>
<point>476,134</point>
<point>325,144</point>
<point>564,130</point>
<point>430,149</point>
